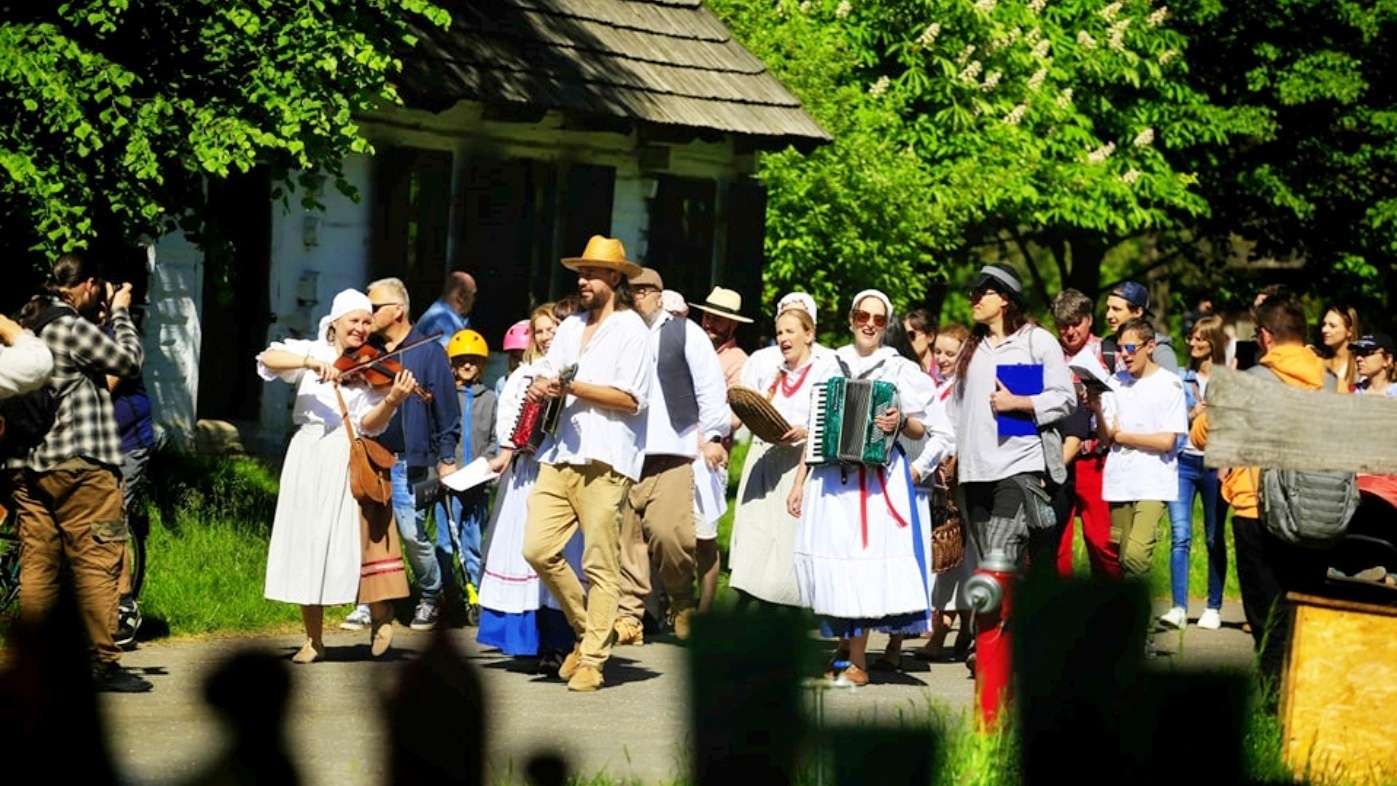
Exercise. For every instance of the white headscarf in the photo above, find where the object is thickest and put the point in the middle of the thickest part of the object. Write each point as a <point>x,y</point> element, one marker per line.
<point>798,300</point>
<point>887,304</point>
<point>345,302</point>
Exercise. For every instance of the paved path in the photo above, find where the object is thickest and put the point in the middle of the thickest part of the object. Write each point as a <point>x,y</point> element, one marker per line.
<point>635,727</point>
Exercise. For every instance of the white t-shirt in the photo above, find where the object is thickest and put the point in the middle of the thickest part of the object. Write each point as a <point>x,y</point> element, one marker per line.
<point>1144,406</point>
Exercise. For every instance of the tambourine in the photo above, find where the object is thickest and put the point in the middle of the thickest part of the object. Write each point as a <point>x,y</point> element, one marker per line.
<point>758,414</point>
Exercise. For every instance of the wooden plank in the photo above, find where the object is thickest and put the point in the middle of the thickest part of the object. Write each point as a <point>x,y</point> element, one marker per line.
<point>1338,691</point>
<point>1256,421</point>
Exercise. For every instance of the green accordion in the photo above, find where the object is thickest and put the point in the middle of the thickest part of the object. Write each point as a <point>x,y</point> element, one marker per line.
<point>841,428</point>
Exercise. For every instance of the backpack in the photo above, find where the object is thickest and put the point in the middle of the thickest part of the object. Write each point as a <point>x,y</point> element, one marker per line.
<point>25,420</point>
<point>1309,508</point>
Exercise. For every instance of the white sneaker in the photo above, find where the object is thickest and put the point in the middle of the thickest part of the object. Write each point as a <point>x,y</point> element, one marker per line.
<point>1176,617</point>
<point>357,619</point>
<point>1211,620</point>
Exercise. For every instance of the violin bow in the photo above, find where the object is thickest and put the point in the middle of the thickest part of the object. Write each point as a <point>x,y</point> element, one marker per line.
<point>398,351</point>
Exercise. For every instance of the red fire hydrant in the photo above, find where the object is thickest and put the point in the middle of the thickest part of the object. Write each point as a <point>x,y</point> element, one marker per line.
<point>989,594</point>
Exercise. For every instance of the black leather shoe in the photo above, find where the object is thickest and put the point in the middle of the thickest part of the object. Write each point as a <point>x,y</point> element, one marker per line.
<point>111,678</point>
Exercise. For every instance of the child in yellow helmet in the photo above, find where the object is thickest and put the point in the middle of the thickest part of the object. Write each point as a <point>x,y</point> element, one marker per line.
<point>470,509</point>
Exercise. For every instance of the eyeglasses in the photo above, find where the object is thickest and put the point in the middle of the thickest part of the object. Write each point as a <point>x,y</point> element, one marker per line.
<point>643,290</point>
<point>861,317</point>
<point>377,306</point>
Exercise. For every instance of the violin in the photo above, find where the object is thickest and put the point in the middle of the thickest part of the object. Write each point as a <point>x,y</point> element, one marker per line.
<point>374,367</point>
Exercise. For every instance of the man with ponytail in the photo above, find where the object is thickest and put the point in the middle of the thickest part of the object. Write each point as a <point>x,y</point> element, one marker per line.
<point>67,490</point>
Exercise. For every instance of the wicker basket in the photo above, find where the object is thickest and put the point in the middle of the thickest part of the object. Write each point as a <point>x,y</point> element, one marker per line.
<point>757,413</point>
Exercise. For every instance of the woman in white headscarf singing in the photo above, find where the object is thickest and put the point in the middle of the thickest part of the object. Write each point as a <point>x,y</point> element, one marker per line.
<point>325,549</point>
<point>863,551</point>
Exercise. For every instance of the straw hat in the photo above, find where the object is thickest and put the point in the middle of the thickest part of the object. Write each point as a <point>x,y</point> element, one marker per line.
<point>606,252</point>
<point>724,303</point>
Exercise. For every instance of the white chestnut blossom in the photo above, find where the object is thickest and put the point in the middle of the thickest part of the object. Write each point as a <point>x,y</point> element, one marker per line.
<point>1131,175</point>
<point>880,87</point>
<point>1144,138</point>
<point>1167,55</point>
<point>971,72</point>
<point>985,6</point>
<point>1037,6</point>
<point>1157,18</point>
<point>991,79</point>
<point>1084,38</point>
<point>1016,114</point>
<point>1102,153</point>
<point>843,10</point>
<point>1040,49</point>
<point>1032,36</point>
<point>928,36</point>
<point>965,54</point>
<point>1065,99</point>
<point>1111,11</point>
<point>1036,81</point>
<point>805,7</point>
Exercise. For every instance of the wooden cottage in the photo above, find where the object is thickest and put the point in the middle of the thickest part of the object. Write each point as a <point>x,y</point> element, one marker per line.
<point>529,126</point>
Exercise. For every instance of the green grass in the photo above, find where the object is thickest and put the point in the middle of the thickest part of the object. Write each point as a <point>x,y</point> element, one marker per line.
<point>207,549</point>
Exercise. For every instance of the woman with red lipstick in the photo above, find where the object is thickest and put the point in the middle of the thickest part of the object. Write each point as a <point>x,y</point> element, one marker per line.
<point>763,531</point>
<point>862,554</point>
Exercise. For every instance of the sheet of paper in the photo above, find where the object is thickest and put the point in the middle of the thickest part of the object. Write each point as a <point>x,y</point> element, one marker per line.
<point>470,476</point>
<point>1091,373</point>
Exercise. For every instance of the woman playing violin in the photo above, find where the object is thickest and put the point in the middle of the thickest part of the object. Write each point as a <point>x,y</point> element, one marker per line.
<point>325,549</point>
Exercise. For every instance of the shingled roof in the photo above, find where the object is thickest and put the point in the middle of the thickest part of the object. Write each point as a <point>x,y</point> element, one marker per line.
<point>666,62</point>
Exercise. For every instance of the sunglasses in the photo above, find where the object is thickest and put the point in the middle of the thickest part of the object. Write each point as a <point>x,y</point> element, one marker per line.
<point>1131,349</point>
<point>861,317</point>
<point>377,306</point>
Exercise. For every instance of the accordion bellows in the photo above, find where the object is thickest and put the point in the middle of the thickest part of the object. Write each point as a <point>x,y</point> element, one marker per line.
<point>757,413</point>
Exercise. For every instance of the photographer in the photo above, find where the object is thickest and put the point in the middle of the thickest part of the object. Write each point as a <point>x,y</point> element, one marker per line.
<point>67,488</point>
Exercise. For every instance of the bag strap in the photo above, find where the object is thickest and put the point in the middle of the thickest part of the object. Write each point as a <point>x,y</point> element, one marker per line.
<point>344,414</point>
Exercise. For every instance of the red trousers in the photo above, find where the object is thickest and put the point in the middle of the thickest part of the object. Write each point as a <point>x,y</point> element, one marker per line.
<point>1103,555</point>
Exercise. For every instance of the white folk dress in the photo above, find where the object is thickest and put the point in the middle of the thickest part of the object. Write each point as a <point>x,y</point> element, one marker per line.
<point>314,555</point>
<point>761,552</point>
<point>863,548</point>
<point>510,591</point>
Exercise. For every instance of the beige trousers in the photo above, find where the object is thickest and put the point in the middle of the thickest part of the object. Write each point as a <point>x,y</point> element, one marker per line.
<point>591,497</point>
<point>657,531</point>
<point>1135,526</point>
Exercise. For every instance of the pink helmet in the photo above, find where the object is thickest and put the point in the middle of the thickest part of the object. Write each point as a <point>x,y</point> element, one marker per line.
<point>517,337</point>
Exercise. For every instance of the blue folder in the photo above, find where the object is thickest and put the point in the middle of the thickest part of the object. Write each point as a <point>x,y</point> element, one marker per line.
<point>1022,379</point>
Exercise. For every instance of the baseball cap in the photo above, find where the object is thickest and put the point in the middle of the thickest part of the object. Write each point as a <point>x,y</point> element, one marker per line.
<point>1371,342</point>
<point>1132,292</point>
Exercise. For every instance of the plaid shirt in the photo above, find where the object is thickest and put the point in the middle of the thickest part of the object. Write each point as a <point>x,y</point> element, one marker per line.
<point>83,355</point>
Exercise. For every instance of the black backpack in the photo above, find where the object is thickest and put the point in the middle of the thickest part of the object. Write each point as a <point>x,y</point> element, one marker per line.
<point>25,420</point>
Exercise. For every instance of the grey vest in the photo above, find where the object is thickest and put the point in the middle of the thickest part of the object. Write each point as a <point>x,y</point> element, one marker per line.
<point>676,383</point>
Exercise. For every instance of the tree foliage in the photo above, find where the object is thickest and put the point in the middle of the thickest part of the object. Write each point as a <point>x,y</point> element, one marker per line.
<point>1093,139</point>
<point>122,109</point>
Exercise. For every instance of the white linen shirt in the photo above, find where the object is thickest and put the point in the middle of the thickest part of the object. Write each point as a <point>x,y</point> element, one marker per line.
<point>710,389</point>
<point>316,402</point>
<point>981,455</point>
<point>618,356</point>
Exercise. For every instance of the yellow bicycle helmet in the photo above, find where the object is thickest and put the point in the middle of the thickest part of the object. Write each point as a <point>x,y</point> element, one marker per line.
<point>467,342</point>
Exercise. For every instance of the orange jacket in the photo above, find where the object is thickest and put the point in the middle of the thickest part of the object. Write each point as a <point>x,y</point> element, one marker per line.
<point>1296,365</point>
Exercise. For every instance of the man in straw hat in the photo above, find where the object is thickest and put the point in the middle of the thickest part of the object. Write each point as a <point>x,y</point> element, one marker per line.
<point>687,420</point>
<point>587,467</point>
<point>721,316</point>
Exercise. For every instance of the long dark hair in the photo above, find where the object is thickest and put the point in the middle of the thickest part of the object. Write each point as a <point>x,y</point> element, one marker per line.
<point>67,272</point>
<point>1014,319</point>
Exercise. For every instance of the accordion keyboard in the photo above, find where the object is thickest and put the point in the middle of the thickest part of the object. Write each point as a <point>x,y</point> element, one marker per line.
<point>815,436</point>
